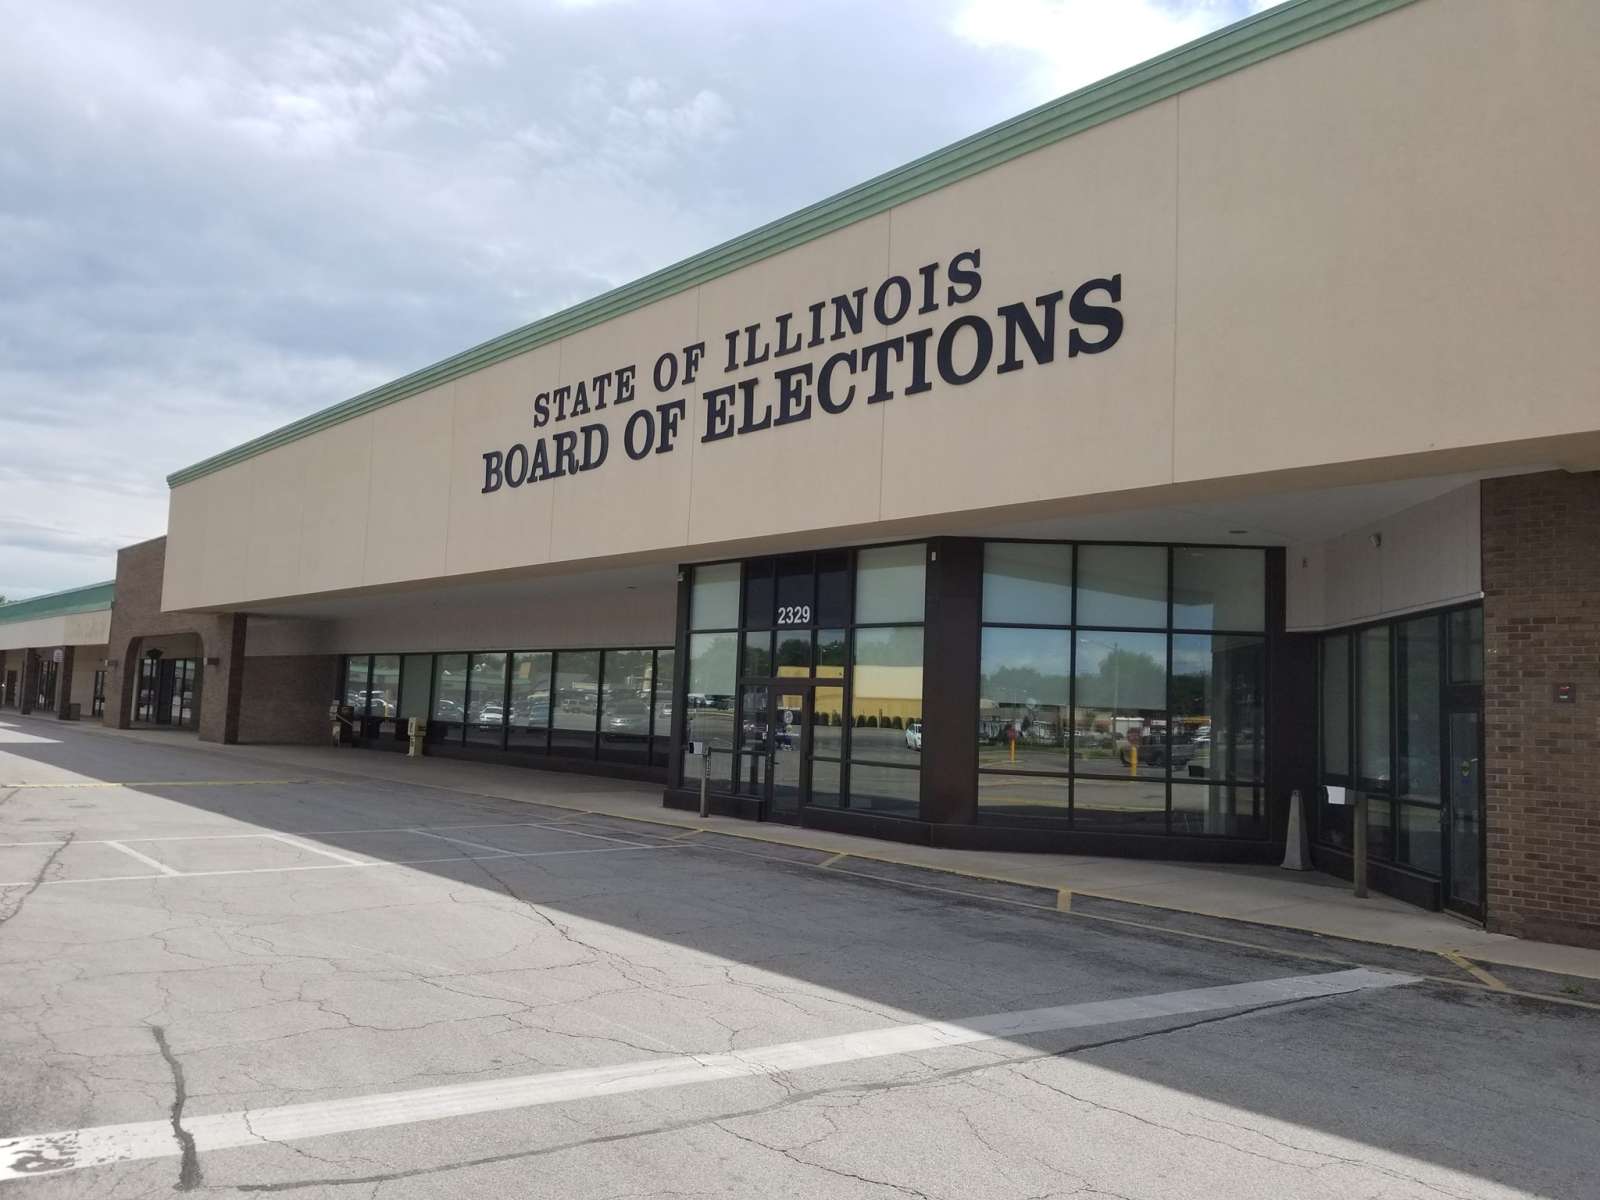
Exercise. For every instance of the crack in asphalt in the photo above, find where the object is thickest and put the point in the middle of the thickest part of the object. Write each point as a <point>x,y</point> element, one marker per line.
<point>38,878</point>
<point>789,1099</point>
<point>189,1165</point>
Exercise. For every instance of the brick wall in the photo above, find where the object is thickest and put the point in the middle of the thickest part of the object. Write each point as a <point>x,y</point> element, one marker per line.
<point>136,619</point>
<point>285,699</point>
<point>1541,609</point>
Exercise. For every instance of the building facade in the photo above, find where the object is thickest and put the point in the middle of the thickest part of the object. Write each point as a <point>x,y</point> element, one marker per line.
<point>1225,430</point>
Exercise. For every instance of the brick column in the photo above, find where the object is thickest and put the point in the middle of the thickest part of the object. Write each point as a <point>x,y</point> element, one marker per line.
<point>64,682</point>
<point>222,678</point>
<point>1541,617</point>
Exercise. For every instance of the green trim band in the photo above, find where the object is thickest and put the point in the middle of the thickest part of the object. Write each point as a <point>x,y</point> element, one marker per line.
<point>1249,41</point>
<point>92,597</point>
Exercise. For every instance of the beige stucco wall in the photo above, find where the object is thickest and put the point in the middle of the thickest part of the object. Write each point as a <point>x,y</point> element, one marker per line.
<point>1371,256</point>
<point>623,618</point>
<point>1423,557</point>
<point>89,629</point>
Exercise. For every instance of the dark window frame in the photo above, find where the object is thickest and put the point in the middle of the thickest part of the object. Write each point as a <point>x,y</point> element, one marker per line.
<point>1168,631</point>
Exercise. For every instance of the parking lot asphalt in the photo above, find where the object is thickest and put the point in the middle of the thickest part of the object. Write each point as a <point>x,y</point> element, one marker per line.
<point>218,978</point>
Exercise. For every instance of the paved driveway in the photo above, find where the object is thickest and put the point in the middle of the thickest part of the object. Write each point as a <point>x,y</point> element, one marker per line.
<point>220,977</point>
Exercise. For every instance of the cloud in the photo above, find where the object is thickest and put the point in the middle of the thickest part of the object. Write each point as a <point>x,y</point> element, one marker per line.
<point>217,218</point>
<point>1076,42</point>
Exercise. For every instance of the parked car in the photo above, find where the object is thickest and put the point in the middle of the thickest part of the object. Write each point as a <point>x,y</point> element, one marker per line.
<point>914,736</point>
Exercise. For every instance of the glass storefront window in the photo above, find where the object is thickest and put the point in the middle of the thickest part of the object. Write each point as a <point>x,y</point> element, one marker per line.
<point>1218,688</point>
<point>449,697</point>
<point>712,675</point>
<point>885,774</point>
<point>577,690</point>
<point>891,584</point>
<point>1023,698</point>
<point>796,600</point>
<point>1027,584</point>
<point>625,705</point>
<point>1219,588</point>
<point>1372,709</point>
<point>794,652</point>
<point>1119,805</point>
<point>416,673</point>
<point>1418,700</point>
<point>1466,645</point>
<point>384,690</point>
<point>528,717</point>
<point>1120,713</point>
<point>833,588</point>
<point>486,699</point>
<point>662,677</point>
<point>714,597</point>
<point>1122,585</point>
<point>1380,832</point>
<point>1336,707</point>
<point>1421,838</point>
<point>357,680</point>
<point>759,605</point>
<point>1218,809</point>
<point>1400,681</point>
<point>833,653</point>
<point>1023,795</point>
<point>757,661</point>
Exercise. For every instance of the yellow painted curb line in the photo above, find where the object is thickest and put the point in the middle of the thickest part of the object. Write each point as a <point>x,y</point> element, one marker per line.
<point>1473,969</point>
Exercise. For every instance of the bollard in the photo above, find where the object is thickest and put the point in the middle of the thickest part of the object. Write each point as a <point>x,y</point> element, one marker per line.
<point>1297,845</point>
<point>705,779</point>
<point>414,729</point>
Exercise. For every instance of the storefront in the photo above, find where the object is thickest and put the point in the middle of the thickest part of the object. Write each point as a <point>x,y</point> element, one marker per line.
<point>1096,696</point>
<point>1223,431</point>
<point>52,652</point>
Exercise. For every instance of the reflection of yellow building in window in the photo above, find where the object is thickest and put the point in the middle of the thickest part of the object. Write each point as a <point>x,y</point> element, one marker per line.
<point>888,693</point>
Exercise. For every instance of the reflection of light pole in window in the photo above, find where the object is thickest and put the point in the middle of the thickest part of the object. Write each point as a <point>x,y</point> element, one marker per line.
<point>1116,675</point>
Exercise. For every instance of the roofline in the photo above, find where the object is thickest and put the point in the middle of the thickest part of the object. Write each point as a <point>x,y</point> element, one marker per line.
<point>1220,53</point>
<point>91,597</point>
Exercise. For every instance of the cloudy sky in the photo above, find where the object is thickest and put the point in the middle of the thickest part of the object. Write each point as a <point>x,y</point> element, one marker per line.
<point>215,218</point>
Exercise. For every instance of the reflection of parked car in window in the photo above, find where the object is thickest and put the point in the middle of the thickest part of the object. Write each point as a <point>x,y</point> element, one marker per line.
<point>914,736</point>
<point>1153,749</point>
<point>626,720</point>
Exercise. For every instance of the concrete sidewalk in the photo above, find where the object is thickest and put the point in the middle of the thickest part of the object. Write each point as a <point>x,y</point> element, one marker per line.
<point>1308,902</point>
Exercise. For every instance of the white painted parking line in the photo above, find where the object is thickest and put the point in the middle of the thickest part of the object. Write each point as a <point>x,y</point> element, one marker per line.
<point>144,858</point>
<point>564,828</point>
<point>169,873</point>
<point>460,841</point>
<point>344,858</point>
<point>560,826</point>
<point>50,1153</point>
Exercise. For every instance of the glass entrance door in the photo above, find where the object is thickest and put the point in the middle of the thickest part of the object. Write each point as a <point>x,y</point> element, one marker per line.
<point>752,748</point>
<point>1464,812</point>
<point>776,761</point>
<point>791,730</point>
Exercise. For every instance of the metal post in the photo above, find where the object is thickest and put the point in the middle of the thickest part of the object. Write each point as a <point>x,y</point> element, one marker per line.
<point>1359,844</point>
<point>705,779</point>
